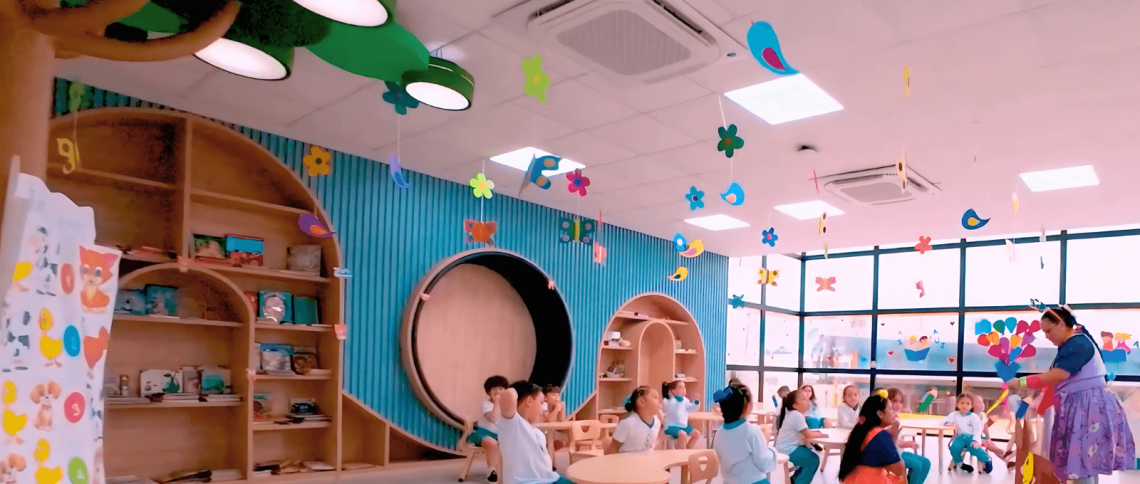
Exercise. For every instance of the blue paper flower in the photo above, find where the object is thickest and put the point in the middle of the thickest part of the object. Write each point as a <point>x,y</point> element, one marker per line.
<point>399,98</point>
<point>695,198</point>
<point>770,236</point>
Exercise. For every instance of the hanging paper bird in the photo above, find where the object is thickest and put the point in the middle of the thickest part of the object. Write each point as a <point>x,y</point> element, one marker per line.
<point>734,196</point>
<point>971,220</point>
<point>695,249</point>
<point>534,171</point>
<point>680,274</point>
<point>921,290</point>
<point>1016,204</point>
<point>482,232</point>
<point>765,47</point>
<point>312,225</point>
<point>397,173</point>
<point>575,230</point>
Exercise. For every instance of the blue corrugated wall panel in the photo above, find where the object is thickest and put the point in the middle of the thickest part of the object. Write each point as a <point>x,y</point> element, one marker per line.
<point>392,237</point>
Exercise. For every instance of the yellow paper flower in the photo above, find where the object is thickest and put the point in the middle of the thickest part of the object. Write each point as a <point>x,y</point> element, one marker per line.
<point>318,161</point>
<point>481,186</point>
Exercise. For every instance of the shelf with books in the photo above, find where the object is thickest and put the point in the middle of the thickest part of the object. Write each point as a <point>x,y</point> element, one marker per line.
<point>614,379</point>
<point>317,328</point>
<point>266,377</point>
<point>271,426</point>
<point>265,273</point>
<point>190,404</point>
<point>144,318</point>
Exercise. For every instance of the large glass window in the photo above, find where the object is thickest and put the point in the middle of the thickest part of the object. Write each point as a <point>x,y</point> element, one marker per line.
<point>992,279</point>
<point>781,340</point>
<point>743,342</point>
<point>915,280</point>
<point>837,342</point>
<point>918,342</point>
<point>1103,270</point>
<point>786,293</point>
<point>839,284</point>
<point>990,339</point>
<point>742,278</point>
<point>829,387</point>
<point>1117,333</point>
<point>773,381</point>
<point>749,378</point>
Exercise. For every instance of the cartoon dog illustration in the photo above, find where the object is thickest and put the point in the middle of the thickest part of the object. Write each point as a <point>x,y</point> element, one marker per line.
<point>10,466</point>
<point>43,395</point>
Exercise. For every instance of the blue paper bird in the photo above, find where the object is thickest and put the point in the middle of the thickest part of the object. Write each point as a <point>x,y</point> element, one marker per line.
<point>971,220</point>
<point>765,48</point>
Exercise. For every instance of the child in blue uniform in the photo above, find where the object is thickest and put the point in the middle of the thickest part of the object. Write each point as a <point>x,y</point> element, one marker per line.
<point>486,432</point>
<point>639,431</point>
<point>742,448</point>
<point>677,408</point>
<point>525,457</point>
<point>969,427</point>
<point>795,436</point>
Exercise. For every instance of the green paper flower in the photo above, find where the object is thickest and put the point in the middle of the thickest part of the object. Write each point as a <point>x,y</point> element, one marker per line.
<point>729,141</point>
<point>536,80</point>
<point>399,98</point>
<point>481,186</point>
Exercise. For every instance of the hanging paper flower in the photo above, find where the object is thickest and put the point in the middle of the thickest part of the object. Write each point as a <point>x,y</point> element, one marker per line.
<point>729,141</point>
<point>481,186</point>
<point>318,161</point>
<point>536,79</point>
<point>695,198</point>
<point>770,236</point>
<point>399,97</point>
<point>923,245</point>
<point>577,182</point>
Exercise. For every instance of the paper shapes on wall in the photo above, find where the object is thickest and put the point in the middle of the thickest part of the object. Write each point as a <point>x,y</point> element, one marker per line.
<point>825,284</point>
<point>482,232</point>
<point>1038,305</point>
<point>729,141</point>
<point>534,171</point>
<point>576,230</point>
<point>313,226</point>
<point>906,82</point>
<point>921,289</point>
<point>1016,204</point>
<point>770,237</point>
<point>680,243</point>
<point>768,276</point>
<point>734,195</point>
<point>397,173</point>
<point>695,248</point>
<point>695,198</point>
<point>917,348</point>
<point>68,150</point>
<point>680,274</point>
<point>1114,347</point>
<point>927,400</point>
<point>599,253</point>
<point>765,47</point>
<point>822,223</point>
<point>971,220</point>
<point>900,166</point>
<point>1007,349</point>
<point>481,187</point>
<point>318,162</point>
<point>736,301</point>
<point>536,79</point>
<point>399,98</point>
<point>576,183</point>
<point>923,245</point>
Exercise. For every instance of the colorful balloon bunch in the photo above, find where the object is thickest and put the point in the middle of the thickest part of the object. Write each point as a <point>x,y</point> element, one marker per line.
<point>1007,349</point>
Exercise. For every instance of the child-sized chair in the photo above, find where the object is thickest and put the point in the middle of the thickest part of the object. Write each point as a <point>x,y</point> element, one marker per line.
<point>704,466</point>
<point>471,451</point>
<point>585,440</point>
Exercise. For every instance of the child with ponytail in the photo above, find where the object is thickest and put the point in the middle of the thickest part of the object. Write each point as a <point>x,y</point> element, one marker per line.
<point>794,437</point>
<point>870,456</point>
<point>638,432</point>
<point>677,408</point>
<point>742,448</point>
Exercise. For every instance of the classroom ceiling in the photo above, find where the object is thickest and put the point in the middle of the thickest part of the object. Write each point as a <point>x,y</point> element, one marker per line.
<point>998,87</point>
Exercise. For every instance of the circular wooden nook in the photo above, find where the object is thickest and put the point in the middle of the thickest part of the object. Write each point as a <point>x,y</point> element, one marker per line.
<point>479,313</point>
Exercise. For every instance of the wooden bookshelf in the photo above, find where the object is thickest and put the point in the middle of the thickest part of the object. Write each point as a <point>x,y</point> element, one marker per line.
<point>140,318</point>
<point>271,426</point>
<point>319,328</point>
<point>127,406</point>
<point>293,377</point>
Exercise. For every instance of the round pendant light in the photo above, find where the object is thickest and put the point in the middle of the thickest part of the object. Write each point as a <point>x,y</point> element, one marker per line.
<point>363,13</point>
<point>444,85</point>
<point>249,58</point>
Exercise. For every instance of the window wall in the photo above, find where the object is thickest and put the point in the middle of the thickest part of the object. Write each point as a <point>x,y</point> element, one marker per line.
<point>944,320</point>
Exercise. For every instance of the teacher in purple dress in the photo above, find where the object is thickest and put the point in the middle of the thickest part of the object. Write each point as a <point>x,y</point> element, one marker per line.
<point>1090,434</point>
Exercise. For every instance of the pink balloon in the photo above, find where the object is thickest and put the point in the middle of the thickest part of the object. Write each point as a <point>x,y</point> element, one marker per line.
<point>1028,351</point>
<point>1004,345</point>
<point>1022,327</point>
<point>995,351</point>
<point>1028,339</point>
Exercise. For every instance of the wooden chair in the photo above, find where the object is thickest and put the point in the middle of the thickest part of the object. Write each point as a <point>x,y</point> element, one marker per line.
<point>470,451</point>
<point>788,470</point>
<point>704,466</point>
<point>586,440</point>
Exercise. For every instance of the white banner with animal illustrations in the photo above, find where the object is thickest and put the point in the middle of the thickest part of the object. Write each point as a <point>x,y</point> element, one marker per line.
<point>56,327</point>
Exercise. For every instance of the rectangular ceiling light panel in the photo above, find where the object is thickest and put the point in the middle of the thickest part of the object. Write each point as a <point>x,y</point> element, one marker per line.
<point>520,159</point>
<point>809,210</point>
<point>717,222</point>
<point>785,99</point>
<point>1077,176</point>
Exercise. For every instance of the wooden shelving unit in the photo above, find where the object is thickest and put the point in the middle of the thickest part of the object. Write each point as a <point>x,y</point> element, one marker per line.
<point>652,323</point>
<point>138,318</point>
<point>173,405</point>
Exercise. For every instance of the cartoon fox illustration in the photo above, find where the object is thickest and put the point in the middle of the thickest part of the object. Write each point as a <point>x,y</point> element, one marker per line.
<point>95,269</point>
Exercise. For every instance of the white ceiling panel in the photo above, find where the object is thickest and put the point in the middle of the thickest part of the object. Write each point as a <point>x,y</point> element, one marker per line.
<point>642,134</point>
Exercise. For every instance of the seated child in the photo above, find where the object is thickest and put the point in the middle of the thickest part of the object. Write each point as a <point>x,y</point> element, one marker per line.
<point>794,437</point>
<point>969,427</point>
<point>987,444</point>
<point>870,456</point>
<point>638,431</point>
<point>525,457</point>
<point>917,466</point>
<point>553,410</point>
<point>849,408</point>
<point>779,397</point>
<point>485,432</point>
<point>742,448</point>
<point>677,408</point>
<point>814,416</point>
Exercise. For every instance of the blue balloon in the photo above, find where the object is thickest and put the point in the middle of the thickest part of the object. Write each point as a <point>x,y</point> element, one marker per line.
<point>71,341</point>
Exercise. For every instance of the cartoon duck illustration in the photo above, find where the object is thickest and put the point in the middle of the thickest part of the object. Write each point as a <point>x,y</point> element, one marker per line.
<point>45,475</point>
<point>12,423</point>
<point>50,347</point>
<point>23,270</point>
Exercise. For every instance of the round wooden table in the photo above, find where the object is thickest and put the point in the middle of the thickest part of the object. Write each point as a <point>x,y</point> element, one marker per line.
<point>552,428</point>
<point>929,425</point>
<point>705,419</point>
<point>835,441</point>
<point>648,467</point>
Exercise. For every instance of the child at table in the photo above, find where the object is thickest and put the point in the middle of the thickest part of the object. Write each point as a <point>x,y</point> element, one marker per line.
<point>779,397</point>
<point>968,425</point>
<point>525,457</point>
<point>677,408</point>
<point>987,444</point>
<point>745,457</point>
<point>849,408</point>
<point>870,456</point>
<point>638,432</point>
<point>485,434</point>
<point>814,416</point>
<point>794,437</point>
<point>917,466</point>
<point>553,410</point>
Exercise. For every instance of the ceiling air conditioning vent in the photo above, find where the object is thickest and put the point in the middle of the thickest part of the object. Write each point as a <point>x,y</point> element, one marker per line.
<point>878,186</point>
<point>628,41</point>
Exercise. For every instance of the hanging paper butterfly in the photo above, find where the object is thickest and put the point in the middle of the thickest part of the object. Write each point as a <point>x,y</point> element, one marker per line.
<point>575,230</point>
<point>768,277</point>
<point>534,171</point>
<point>312,225</point>
<point>483,232</point>
<point>825,284</point>
<point>765,47</point>
<point>736,301</point>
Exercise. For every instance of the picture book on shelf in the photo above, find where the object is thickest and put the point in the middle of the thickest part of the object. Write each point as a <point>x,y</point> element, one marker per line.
<point>153,382</point>
<point>208,248</point>
<point>244,250</point>
<point>191,380</point>
<point>275,357</point>
<point>275,307</point>
<point>304,258</point>
<point>262,407</point>
<point>215,380</point>
<point>130,301</point>
<point>305,311</point>
<point>161,300</point>
<point>304,359</point>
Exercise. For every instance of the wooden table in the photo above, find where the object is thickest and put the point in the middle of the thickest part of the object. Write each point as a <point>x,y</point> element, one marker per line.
<point>648,467</point>
<point>836,440</point>
<point>552,428</point>
<point>925,425</point>
<point>706,419</point>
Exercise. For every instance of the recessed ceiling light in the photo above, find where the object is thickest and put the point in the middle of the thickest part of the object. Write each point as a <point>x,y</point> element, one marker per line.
<point>444,85</point>
<point>785,99</point>
<point>809,210</point>
<point>520,159</point>
<point>248,57</point>
<point>362,13</point>
<point>717,222</point>
<point>1077,176</point>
